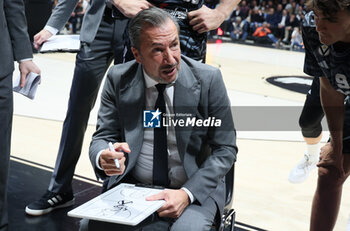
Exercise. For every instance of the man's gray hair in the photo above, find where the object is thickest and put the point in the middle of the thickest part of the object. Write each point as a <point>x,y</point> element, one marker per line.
<point>152,16</point>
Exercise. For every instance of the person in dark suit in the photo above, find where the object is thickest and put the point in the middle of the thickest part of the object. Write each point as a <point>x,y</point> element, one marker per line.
<point>14,45</point>
<point>104,38</point>
<point>196,157</point>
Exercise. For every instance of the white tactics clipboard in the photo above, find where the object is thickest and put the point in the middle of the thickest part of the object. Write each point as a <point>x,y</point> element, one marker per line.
<point>123,204</point>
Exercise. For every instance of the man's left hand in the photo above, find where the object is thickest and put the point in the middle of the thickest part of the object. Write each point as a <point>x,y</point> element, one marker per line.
<point>25,67</point>
<point>175,202</point>
<point>205,19</point>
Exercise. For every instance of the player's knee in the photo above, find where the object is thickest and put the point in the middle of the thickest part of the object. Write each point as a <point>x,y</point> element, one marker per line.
<point>309,128</point>
<point>330,177</point>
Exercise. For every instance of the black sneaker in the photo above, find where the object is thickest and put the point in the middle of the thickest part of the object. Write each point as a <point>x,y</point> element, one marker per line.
<point>50,201</point>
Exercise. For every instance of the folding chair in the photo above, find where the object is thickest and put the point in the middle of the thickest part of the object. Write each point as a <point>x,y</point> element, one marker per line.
<point>229,215</point>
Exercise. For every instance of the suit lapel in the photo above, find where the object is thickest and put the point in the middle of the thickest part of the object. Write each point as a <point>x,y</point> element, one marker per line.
<point>132,101</point>
<point>131,104</point>
<point>186,100</point>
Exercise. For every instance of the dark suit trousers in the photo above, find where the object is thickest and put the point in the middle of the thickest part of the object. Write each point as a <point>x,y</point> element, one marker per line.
<point>6,111</point>
<point>92,62</point>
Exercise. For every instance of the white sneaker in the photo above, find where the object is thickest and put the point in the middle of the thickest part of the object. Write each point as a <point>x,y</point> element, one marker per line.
<point>302,170</point>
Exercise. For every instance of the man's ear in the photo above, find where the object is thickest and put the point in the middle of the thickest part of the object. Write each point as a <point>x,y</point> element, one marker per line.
<point>137,54</point>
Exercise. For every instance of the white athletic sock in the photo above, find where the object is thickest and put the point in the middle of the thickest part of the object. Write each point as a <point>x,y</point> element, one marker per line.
<point>313,150</point>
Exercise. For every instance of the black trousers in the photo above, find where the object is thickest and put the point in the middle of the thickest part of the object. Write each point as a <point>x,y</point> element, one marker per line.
<point>92,62</point>
<point>312,113</point>
<point>6,111</point>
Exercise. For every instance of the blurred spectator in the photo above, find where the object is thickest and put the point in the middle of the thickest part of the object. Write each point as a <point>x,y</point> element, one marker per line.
<point>269,5</point>
<point>244,9</point>
<point>300,12</point>
<point>297,39</point>
<point>239,29</point>
<point>227,25</point>
<point>302,3</point>
<point>263,7</point>
<point>282,24</point>
<point>237,12</point>
<point>284,4</point>
<point>263,35</point>
<point>272,20</point>
<point>253,4</point>
<point>290,7</point>
<point>280,16</point>
<point>256,18</point>
<point>279,11</point>
<point>290,24</point>
<point>76,17</point>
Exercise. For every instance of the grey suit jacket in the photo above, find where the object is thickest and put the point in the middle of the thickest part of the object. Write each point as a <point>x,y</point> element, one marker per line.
<point>199,91</point>
<point>14,39</point>
<point>91,22</point>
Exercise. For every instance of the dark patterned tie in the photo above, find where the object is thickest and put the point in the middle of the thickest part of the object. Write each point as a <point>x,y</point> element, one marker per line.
<point>160,151</point>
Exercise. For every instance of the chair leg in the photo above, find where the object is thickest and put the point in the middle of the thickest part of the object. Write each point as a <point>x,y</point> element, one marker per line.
<point>228,221</point>
<point>233,221</point>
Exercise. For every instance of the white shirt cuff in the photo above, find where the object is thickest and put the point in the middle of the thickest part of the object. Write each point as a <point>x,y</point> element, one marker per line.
<point>28,59</point>
<point>190,195</point>
<point>98,160</point>
<point>51,29</point>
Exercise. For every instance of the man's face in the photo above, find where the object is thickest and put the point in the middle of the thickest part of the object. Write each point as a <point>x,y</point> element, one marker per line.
<point>279,7</point>
<point>159,52</point>
<point>332,29</point>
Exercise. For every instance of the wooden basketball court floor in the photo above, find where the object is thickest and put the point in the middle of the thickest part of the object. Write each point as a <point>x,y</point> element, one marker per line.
<point>263,197</point>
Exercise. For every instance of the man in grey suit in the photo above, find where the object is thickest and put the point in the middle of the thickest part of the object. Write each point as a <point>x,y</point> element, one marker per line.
<point>103,36</point>
<point>196,155</point>
<point>14,45</point>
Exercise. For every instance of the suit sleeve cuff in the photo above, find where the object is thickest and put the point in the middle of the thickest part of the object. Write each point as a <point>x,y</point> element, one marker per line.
<point>51,29</point>
<point>190,195</point>
<point>97,162</point>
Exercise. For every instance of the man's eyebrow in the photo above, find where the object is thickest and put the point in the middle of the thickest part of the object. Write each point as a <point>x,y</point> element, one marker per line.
<point>175,40</point>
<point>160,44</point>
<point>157,44</point>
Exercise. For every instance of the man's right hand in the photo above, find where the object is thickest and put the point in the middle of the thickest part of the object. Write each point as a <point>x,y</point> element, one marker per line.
<point>41,37</point>
<point>130,8</point>
<point>107,159</point>
<point>25,67</point>
<point>330,158</point>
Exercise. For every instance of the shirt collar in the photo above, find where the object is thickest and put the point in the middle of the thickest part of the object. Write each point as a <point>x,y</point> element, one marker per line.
<point>151,82</point>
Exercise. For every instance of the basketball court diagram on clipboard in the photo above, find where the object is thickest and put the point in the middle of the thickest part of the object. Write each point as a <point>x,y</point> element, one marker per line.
<point>123,204</point>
